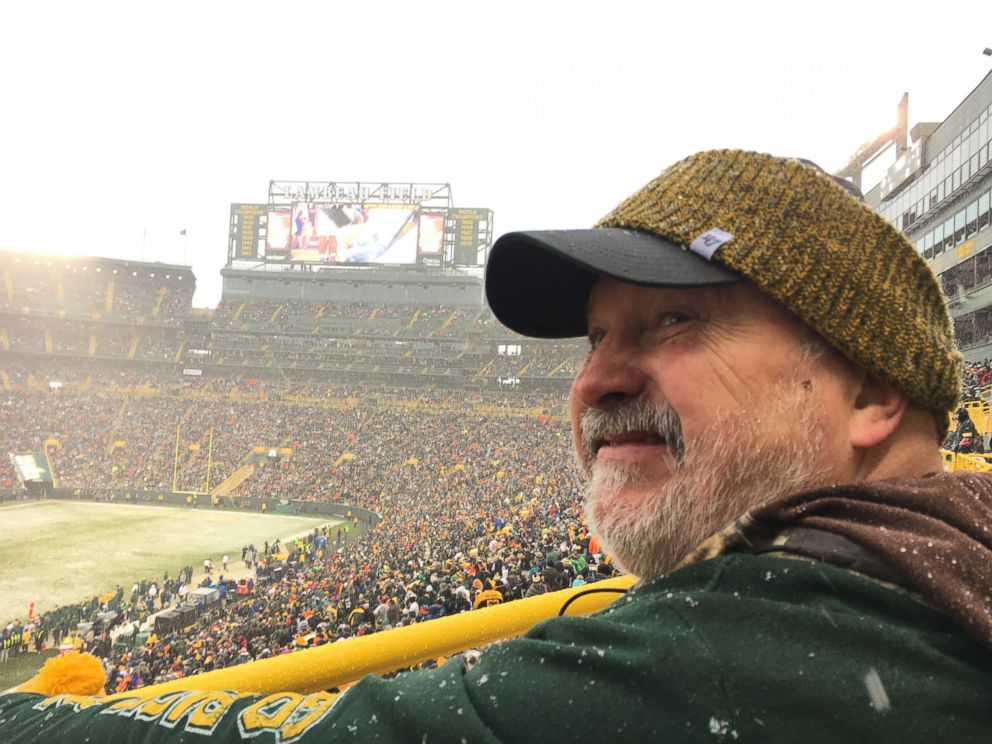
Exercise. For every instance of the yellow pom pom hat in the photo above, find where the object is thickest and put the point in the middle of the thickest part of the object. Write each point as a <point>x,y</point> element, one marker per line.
<point>802,236</point>
<point>72,674</point>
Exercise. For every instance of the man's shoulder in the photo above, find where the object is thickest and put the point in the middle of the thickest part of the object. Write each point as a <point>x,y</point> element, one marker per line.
<point>733,591</point>
<point>793,638</point>
<point>762,611</point>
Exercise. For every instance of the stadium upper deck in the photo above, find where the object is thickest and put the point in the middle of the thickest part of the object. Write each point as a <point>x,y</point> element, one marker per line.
<point>94,289</point>
<point>71,317</point>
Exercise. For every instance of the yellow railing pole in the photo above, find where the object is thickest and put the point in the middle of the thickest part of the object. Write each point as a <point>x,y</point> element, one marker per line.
<point>336,664</point>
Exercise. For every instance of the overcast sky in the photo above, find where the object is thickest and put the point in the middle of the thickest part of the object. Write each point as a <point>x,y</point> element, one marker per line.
<point>122,125</point>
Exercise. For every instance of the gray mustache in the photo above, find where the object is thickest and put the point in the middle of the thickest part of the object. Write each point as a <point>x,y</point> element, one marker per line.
<point>632,414</point>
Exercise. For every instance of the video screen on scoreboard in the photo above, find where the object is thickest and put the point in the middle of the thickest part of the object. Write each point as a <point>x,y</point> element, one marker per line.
<point>347,233</point>
<point>277,234</point>
<point>431,239</point>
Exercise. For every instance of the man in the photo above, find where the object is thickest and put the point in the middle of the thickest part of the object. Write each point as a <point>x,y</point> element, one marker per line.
<point>965,439</point>
<point>770,370</point>
<point>380,612</point>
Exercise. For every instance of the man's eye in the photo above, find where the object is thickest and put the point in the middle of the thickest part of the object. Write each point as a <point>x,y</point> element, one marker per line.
<point>595,337</point>
<point>671,319</point>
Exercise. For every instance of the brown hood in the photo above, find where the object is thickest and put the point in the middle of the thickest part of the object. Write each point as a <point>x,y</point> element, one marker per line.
<point>930,535</point>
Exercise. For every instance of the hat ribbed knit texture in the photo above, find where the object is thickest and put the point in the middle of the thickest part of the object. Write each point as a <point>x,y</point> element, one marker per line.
<point>830,259</point>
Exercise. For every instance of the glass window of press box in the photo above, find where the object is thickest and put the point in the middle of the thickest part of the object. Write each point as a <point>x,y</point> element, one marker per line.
<point>946,173</point>
<point>973,273</point>
<point>957,228</point>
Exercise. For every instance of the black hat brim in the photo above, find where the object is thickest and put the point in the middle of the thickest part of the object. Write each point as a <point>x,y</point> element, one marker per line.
<point>538,282</point>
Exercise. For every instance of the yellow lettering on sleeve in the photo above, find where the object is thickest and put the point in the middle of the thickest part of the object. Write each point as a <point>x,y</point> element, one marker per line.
<point>208,713</point>
<point>152,709</point>
<point>269,713</point>
<point>311,710</point>
<point>183,707</point>
<point>77,702</point>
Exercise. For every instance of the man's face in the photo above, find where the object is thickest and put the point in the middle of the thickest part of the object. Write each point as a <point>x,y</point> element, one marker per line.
<point>693,406</point>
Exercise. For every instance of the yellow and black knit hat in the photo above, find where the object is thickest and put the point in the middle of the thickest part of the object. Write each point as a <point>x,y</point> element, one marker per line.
<point>785,225</point>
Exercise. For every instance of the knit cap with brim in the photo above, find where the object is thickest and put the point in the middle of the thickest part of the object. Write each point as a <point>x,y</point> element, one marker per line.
<point>781,223</point>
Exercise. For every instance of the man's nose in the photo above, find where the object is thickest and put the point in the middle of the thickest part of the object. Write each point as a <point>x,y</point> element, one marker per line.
<point>611,373</point>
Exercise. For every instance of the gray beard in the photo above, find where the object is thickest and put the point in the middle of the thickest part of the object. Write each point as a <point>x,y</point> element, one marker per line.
<point>738,463</point>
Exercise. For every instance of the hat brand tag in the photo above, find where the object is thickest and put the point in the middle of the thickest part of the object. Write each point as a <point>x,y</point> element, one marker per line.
<point>707,243</point>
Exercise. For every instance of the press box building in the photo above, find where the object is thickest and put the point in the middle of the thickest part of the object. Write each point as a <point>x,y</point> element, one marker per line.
<point>938,194</point>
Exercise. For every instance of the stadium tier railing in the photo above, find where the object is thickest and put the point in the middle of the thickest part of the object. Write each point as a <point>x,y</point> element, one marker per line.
<point>971,462</point>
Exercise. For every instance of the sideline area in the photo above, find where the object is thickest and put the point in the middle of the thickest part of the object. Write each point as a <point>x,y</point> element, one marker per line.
<point>22,667</point>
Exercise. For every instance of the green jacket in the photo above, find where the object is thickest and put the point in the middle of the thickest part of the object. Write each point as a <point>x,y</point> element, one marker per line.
<point>740,648</point>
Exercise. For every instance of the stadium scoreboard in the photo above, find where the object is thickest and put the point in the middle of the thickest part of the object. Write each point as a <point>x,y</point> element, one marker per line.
<point>247,230</point>
<point>471,236</point>
<point>333,223</point>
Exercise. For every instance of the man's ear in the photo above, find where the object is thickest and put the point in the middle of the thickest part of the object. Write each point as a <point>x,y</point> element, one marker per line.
<point>877,412</point>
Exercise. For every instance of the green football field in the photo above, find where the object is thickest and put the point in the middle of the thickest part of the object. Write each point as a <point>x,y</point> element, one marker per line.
<point>57,552</point>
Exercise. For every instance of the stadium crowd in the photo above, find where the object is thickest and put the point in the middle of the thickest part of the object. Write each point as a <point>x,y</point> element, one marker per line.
<point>124,436</point>
<point>472,506</point>
<point>977,377</point>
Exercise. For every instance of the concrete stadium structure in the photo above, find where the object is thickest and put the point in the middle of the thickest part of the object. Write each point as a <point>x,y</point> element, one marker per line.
<point>938,194</point>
